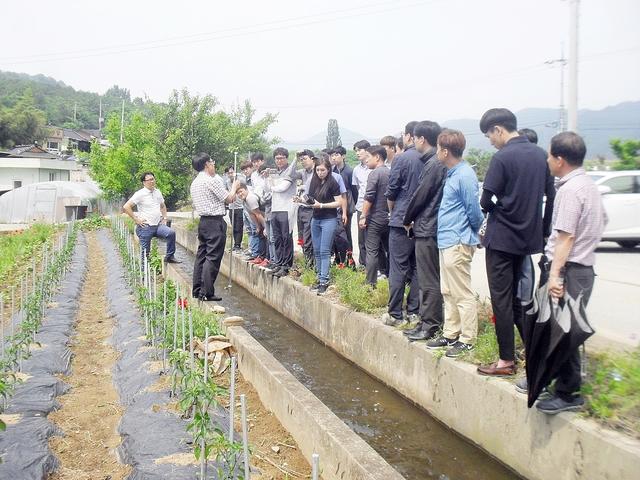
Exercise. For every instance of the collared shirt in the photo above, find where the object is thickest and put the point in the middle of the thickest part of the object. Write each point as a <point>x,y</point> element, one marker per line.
<point>148,203</point>
<point>376,186</point>
<point>208,195</point>
<point>459,215</point>
<point>519,177</point>
<point>359,179</point>
<point>578,210</point>
<point>403,182</point>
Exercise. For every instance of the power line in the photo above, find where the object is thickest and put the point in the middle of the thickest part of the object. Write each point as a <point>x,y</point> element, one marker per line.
<point>222,34</point>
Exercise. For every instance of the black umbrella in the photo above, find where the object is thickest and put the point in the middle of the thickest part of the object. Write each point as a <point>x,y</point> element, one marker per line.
<point>552,332</point>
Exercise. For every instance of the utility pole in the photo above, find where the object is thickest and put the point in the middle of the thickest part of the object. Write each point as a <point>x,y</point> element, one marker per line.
<point>122,123</point>
<point>562,61</point>
<point>573,67</point>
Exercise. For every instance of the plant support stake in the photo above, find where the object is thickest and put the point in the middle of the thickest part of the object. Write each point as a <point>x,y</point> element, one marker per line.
<point>245,440</point>
<point>232,394</point>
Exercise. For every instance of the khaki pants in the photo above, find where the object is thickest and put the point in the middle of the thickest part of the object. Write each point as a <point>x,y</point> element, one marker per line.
<point>460,306</point>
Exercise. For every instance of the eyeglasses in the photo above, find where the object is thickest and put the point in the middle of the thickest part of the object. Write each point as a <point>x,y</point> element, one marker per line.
<point>280,158</point>
<point>149,179</point>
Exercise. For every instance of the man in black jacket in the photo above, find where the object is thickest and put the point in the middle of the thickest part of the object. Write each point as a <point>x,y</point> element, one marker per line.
<point>421,218</point>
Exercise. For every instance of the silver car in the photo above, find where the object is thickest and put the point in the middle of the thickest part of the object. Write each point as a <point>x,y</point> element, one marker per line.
<point>621,198</point>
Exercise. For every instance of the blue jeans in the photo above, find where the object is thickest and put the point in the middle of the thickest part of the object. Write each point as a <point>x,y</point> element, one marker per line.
<point>145,234</point>
<point>322,232</point>
<point>252,240</point>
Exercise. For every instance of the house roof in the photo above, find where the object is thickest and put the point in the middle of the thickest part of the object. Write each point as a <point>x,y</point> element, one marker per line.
<point>29,151</point>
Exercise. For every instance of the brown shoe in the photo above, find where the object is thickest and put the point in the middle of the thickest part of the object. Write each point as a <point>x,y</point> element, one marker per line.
<point>495,371</point>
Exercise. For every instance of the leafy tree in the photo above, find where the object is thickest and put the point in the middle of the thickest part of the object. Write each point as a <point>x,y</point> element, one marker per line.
<point>628,153</point>
<point>479,159</point>
<point>166,140</point>
<point>333,134</point>
<point>23,124</point>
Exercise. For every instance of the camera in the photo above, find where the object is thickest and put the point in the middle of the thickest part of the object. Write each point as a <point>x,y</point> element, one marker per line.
<point>272,171</point>
<point>308,199</point>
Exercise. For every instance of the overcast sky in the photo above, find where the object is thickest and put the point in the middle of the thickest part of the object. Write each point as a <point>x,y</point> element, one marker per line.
<point>372,65</point>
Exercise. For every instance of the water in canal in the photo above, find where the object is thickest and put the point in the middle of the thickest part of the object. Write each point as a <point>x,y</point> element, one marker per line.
<point>407,437</point>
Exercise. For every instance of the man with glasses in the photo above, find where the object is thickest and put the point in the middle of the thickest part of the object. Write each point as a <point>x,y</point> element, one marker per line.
<point>151,218</point>
<point>209,197</point>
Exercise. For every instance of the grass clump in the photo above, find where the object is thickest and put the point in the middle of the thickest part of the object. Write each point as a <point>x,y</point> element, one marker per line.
<point>612,389</point>
<point>353,292</point>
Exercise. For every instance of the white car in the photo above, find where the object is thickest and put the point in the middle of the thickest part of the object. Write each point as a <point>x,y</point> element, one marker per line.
<point>620,191</point>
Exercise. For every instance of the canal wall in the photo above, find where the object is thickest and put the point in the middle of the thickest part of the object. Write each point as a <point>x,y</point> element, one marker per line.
<point>316,429</point>
<point>485,410</point>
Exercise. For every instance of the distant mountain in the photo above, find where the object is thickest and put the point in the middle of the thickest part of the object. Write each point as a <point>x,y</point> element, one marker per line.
<point>597,127</point>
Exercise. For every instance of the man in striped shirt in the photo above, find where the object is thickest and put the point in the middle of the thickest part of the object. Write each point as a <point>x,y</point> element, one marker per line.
<point>209,197</point>
<point>578,222</point>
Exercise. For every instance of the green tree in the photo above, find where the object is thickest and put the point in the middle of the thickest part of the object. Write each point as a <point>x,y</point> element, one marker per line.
<point>479,159</point>
<point>333,134</point>
<point>628,153</point>
<point>23,124</point>
<point>166,140</point>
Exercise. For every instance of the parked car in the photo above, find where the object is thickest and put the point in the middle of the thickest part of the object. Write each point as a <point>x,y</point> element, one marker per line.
<point>621,198</point>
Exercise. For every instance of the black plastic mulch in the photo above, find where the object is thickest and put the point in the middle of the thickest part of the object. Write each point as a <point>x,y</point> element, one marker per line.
<point>150,431</point>
<point>24,446</point>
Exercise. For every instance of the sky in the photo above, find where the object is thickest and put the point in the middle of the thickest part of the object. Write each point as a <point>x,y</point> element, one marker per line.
<point>372,65</point>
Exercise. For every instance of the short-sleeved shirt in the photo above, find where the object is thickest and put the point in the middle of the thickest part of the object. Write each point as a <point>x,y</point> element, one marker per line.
<point>328,197</point>
<point>376,186</point>
<point>148,203</point>
<point>518,176</point>
<point>359,179</point>
<point>251,202</point>
<point>208,195</point>
<point>578,210</point>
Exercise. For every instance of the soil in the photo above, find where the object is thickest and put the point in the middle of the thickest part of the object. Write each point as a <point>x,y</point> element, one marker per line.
<point>90,411</point>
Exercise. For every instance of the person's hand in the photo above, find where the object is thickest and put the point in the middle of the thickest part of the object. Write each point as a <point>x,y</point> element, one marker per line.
<point>408,227</point>
<point>296,199</point>
<point>555,288</point>
<point>264,231</point>
<point>140,222</point>
<point>362,223</point>
<point>345,219</point>
<point>236,185</point>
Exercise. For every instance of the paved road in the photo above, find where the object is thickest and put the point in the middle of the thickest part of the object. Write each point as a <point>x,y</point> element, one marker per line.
<point>614,307</point>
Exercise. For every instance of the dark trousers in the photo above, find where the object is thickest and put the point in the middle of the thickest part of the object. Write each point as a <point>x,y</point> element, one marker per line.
<point>304,233</point>
<point>362,248</point>
<point>377,235</point>
<point>577,278</point>
<point>282,239</point>
<point>428,266</point>
<point>347,228</point>
<point>402,272</point>
<point>237,217</point>
<point>212,235</point>
<point>503,273</point>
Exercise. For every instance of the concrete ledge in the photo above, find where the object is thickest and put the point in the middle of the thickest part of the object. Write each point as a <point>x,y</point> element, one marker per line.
<point>343,454</point>
<point>487,411</point>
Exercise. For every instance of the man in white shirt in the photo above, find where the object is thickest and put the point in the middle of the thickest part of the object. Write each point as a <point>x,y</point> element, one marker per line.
<point>151,218</point>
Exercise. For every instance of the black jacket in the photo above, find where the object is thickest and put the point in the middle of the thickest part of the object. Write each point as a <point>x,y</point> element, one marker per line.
<point>425,202</point>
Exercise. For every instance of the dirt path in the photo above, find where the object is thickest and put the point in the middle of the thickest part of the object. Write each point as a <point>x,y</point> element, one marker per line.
<point>90,411</point>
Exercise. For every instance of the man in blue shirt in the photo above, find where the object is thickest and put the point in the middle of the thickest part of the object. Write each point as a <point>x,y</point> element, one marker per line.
<point>459,220</point>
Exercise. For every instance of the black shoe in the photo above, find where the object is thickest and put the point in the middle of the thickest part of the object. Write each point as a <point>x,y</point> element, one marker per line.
<point>322,289</point>
<point>421,335</point>
<point>314,287</point>
<point>442,342</point>
<point>171,259</point>
<point>212,298</point>
<point>459,348</point>
<point>556,405</point>
<point>414,330</point>
<point>282,272</point>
